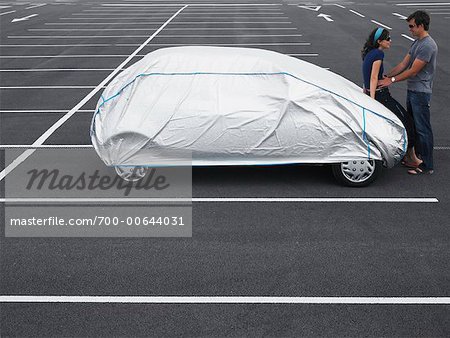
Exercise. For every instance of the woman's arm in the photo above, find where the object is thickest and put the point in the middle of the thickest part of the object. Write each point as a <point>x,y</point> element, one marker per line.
<point>374,77</point>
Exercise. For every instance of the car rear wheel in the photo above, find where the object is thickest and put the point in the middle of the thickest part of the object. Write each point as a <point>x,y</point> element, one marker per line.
<point>131,174</point>
<point>357,173</point>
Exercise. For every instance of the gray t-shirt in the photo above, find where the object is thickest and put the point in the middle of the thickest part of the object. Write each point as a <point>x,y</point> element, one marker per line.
<point>424,50</point>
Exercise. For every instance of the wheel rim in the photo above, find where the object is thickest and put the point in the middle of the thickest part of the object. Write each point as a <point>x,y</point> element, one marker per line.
<point>358,171</point>
<point>131,173</point>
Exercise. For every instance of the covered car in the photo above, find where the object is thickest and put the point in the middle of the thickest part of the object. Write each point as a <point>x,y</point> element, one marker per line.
<point>240,106</point>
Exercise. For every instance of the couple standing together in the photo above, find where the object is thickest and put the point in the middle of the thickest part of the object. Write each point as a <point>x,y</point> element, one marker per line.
<point>417,68</point>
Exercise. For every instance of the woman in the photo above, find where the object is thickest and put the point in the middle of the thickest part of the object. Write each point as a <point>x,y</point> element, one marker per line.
<point>373,54</point>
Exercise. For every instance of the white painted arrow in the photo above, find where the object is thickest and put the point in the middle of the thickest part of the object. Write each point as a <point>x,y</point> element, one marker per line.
<point>326,17</point>
<point>24,18</point>
<point>400,16</point>
<point>311,8</point>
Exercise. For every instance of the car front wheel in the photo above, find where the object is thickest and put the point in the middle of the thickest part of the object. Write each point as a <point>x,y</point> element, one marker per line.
<point>131,174</point>
<point>357,173</point>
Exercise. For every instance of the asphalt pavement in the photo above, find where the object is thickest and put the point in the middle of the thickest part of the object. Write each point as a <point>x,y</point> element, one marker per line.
<point>55,54</point>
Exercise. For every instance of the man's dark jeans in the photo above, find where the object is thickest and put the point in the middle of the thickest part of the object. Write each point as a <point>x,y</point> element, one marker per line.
<point>418,104</point>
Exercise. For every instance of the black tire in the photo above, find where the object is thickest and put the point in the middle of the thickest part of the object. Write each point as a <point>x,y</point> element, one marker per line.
<point>357,173</point>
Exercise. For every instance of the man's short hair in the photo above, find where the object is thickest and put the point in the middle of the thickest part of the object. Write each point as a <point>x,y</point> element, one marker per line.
<point>421,18</point>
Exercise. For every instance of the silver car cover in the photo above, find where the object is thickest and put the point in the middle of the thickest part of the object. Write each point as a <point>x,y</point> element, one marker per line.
<point>235,106</point>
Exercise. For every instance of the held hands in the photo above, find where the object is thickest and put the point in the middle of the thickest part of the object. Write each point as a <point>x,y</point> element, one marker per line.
<point>386,81</point>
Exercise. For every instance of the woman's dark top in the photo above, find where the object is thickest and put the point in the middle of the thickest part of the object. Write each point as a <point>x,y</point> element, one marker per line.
<point>369,59</point>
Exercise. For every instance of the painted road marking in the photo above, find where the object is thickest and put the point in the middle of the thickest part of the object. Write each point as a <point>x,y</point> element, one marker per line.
<point>399,16</point>
<point>147,29</point>
<point>357,13</point>
<point>311,8</point>
<point>407,37</point>
<point>4,13</point>
<point>73,45</point>
<point>425,4</point>
<point>141,16</point>
<point>380,24</point>
<point>35,6</point>
<point>106,56</point>
<point>56,70</point>
<point>65,56</point>
<point>38,112</point>
<point>50,87</point>
<point>144,36</point>
<point>223,44</point>
<point>158,23</point>
<point>184,16</point>
<point>226,300</point>
<point>190,5</point>
<point>24,18</point>
<point>326,17</point>
<point>223,199</point>
<point>69,114</point>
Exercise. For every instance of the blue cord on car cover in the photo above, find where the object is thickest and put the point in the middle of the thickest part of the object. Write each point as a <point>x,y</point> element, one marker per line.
<point>364,109</point>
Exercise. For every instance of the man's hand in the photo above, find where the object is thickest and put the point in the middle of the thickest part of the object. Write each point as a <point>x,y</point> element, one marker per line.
<point>387,81</point>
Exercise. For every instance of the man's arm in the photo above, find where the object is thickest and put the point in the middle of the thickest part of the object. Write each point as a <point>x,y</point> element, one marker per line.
<point>400,67</point>
<point>416,67</point>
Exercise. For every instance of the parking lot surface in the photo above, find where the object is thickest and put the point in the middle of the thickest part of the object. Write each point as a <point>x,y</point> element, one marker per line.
<point>287,250</point>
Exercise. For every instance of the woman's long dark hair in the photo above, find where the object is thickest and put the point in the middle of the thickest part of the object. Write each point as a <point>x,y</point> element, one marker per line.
<point>370,44</point>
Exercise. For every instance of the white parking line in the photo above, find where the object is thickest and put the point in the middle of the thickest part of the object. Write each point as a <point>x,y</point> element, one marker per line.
<point>225,300</point>
<point>184,17</point>
<point>147,29</point>
<point>380,24</point>
<point>144,36</point>
<point>233,28</point>
<point>50,146</point>
<point>62,120</point>
<point>122,15</point>
<point>158,23</point>
<point>65,56</point>
<point>415,4</point>
<point>56,70</point>
<point>408,37</point>
<point>196,9</point>
<point>193,5</point>
<point>357,13</point>
<point>222,44</point>
<point>4,13</point>
<point>73,45</point>
<point>99,200</point>
<point>50,87</point>
<point>231,36</point>
<point>35,6</point>
<point>30,111</point>
<point>73,36</point>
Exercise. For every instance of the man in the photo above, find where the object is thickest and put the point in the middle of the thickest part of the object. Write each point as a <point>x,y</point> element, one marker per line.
<point>418,68</point>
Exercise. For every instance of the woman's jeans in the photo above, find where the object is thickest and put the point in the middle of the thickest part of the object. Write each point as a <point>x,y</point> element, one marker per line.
<point>418,105</point>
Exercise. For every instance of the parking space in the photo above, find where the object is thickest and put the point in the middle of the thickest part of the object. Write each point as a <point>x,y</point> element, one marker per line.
<point>327,241</point>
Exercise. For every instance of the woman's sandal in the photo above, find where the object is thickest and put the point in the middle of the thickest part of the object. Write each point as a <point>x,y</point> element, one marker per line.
<point>420,170</point>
